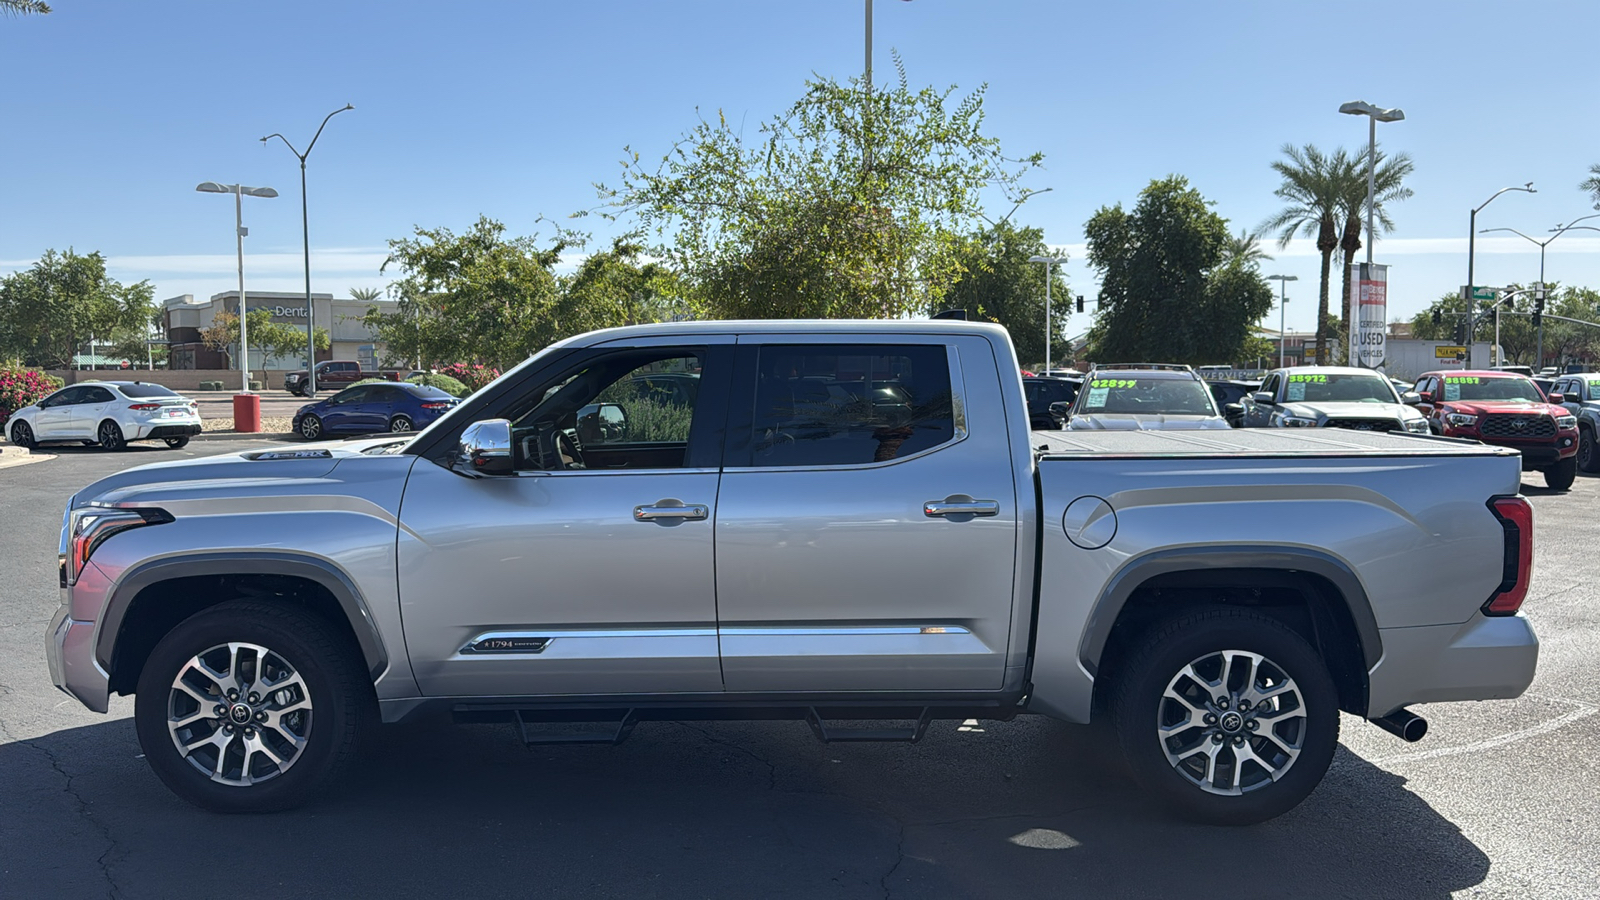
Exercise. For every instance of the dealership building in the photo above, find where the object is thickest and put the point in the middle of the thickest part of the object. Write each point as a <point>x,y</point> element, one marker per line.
<point>184,318</point>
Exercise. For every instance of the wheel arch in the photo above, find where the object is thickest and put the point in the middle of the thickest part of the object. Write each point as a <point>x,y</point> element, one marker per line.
<point>1313,592</point>
<point>152,598</point>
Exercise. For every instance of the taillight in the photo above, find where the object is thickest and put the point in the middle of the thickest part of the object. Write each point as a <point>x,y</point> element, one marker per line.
<point>1516,519</point>
<point>438,405</point>
<point>144,407</point>
<point>91,525</point>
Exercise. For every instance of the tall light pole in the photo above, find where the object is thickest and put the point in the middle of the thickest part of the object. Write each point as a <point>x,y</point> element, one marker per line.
<point>1049,325</point>
<point>1374,114</point>
<point>1472,235</point>
<point>239,192</point>
<point>1559,231</point>
<point>1283,305</point>
<point>305,235</point>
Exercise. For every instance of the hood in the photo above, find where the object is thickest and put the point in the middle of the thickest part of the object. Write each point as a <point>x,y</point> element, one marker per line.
<point>1130,422</point>
<point>1483,407</point>
<point>1345,410</point>
<point>265,470</point>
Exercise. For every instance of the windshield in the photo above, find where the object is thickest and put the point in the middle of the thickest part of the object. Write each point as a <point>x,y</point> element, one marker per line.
<point>1146,397</point>
<point>144,390</point>
<point>1477,387</point>
<point>1334,387</point>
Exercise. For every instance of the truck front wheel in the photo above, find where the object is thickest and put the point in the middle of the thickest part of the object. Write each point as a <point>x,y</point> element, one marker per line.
<point>252,707</point>
<point>1226,716</point>
<point>1559,477</point>
<point>1588,455</point>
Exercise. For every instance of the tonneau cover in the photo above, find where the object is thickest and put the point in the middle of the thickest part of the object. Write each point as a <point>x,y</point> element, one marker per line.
<point>1252,442</point>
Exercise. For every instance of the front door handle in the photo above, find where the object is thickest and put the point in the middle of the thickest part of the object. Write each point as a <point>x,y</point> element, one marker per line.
<point>664,510</point>
<point>954,507</point>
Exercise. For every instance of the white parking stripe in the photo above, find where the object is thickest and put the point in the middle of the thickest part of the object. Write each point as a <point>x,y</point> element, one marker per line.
<point>1583,711</point>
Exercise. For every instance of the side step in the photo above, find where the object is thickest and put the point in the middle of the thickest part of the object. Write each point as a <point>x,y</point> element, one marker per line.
<point>532,735</point>
<point>837,735</point>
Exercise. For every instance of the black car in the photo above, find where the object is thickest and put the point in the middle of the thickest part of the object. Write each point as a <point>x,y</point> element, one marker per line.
<point>1227,392</point>
<point>1040,392</point>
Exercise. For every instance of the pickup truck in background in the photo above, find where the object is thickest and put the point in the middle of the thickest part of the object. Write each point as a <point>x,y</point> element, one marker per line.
<point>333,375</point>
<point>1508,410</point>
<point>846,523</point>
<point>1579,395</point>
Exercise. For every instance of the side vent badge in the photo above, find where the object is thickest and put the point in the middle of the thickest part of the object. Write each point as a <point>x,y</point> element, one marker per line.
<point>496,644</point>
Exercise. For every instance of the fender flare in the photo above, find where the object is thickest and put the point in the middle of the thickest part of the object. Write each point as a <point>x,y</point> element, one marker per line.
<point>1103,615</point>
<point>250,562</point>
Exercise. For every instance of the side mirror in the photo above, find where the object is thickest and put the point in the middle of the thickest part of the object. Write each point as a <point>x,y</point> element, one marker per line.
<point>1410,398</point>
<point>1426,396</point>
<point>602,423</point>
<point>485,449</point>
<point>1558,398</point>
<point>1061,409</point>
<point>1262,397</point>
<point>1233,409</point>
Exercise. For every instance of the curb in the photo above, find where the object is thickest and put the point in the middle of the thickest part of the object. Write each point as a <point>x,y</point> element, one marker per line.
<point>12,455</point>
<point>243,436</point>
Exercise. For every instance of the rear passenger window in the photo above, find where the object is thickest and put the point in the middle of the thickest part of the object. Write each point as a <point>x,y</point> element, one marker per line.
<point>840,405</point>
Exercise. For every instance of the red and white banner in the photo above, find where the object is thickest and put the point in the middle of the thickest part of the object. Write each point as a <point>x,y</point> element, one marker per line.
<point>1369,314</point>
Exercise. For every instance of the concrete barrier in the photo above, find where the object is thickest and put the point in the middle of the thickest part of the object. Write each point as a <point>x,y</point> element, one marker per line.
<point>177,379</point>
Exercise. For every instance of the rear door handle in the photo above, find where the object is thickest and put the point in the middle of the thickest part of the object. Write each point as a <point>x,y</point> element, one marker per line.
<point>658,511</point>
<point>941,508</point>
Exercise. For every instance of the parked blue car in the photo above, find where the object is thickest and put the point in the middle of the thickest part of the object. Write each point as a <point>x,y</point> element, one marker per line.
<point>373,408</point>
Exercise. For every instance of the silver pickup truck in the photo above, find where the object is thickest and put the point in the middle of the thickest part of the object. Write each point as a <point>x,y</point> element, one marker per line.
<point>845,523</point>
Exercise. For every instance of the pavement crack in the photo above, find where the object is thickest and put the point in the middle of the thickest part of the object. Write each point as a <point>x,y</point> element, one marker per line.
<point>772,769</point>
<point>899,857</point>
<point>104,860</point>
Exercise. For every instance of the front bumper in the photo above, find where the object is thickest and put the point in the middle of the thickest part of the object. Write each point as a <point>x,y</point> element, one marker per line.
<point>1485,658</point>
<point>69,650</point>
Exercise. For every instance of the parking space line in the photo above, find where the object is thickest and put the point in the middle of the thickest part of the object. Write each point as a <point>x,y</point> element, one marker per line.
<point>1583,711</point>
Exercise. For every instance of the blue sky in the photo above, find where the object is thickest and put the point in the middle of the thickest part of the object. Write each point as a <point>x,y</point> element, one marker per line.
<point>115,110</point>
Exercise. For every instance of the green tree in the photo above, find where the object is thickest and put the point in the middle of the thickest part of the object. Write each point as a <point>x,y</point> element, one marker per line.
<point>271,338</point>
<point>477,296</point>
<point>1445,319</point>
<point>1388,183</point>
<point>1592,184</point>
<point>853,202</point>
<point>1245,249</point>
<point>24,7</point>
<point>1314,187</point>
<point>617,287</point>
<point>48,311</point>
<point>998,284</point>
<point>1166,293</point>
<point>365,295</point>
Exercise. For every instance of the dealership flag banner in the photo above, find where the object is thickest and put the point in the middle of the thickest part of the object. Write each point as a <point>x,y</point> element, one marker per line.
<point>1369,314</point>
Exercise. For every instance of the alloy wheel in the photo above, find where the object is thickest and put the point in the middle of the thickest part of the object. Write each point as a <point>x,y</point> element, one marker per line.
<point>22,435</point>
<point>399,424</point>
<point>239,713</point>
<point>310,428</point>
<point>1231,721</point>
<point>110,436</point>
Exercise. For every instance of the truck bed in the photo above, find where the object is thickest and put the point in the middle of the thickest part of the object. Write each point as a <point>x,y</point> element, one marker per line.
<point>1252,442</point>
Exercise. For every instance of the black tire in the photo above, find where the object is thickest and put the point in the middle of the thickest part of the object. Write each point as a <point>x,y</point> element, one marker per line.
<point>1158,659</point>
<point>1588,454</point>
<point>1559,477</point>
<point>400,423</point>
<point>310,427</point>
<point>343,711</point>
<point>177,443</point>
<point>22,435</point>
<point>109,436</point>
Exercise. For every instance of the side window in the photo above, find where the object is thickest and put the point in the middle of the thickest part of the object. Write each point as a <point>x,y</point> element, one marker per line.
<point>66,398</point>
<point>96,395</point>
<point>622,410</point>
<point>850,404</point>
<point>1422,385</point>
<point>1271,386</point>
<point>353,395</point>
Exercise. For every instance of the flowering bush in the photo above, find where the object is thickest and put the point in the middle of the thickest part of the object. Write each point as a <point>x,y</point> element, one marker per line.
<point>21,387</point>
<point>473,375</point>
<point>445,383</point>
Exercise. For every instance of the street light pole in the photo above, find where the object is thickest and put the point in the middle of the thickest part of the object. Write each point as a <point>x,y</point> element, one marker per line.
<point>1374,114</point>
<point>239,191</point>
<point>1559,231</point>
<point>1049,324</point>
<point>1283,306</point>
<point>305,237</point>
<point>1472,233</point>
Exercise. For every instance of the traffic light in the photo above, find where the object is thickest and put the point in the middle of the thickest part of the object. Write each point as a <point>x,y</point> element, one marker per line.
<point>1080,303</point>
<point>1438,315</point>
<point>1538,317</point>
<point>1538,307</point>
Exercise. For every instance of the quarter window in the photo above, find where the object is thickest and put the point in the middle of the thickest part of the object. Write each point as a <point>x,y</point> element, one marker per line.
<point>851,404</point>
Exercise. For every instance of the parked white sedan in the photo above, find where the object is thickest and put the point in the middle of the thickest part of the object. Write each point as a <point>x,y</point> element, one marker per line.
<point>108,413</point>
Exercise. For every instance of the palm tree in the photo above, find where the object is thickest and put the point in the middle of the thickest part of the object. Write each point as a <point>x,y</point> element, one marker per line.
<point>1388,185</point>
<point>1244,250</point>
<point>1313,186</point>
<point>1592,184</point>
<point>365,295</point>
<point>23,7</point>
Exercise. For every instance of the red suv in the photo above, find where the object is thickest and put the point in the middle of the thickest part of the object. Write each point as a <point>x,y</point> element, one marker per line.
<point>1507,409</point>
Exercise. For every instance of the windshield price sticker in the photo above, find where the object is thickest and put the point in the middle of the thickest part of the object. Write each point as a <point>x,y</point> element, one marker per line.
<point>1315,379</point>
<point>1114,383</point>
<point>1462,379</point>
<point>1452,389</point>
<point>1097,395</point>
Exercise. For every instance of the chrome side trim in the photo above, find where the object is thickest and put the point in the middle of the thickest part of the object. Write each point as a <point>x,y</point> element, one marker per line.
<point>847,630</point>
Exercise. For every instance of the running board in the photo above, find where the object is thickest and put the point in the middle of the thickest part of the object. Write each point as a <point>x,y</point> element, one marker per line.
<point>532,736</point>
<point>908,735</point>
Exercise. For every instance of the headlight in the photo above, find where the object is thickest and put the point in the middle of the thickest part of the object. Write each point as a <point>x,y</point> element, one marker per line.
<point>1417,426</point>
<point>1296,422</point>
<point>1460,420</point>
<point>91,525</point>
<point>1566,423</point>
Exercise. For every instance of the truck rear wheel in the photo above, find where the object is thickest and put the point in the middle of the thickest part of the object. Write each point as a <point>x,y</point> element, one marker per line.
<point>1588,455</point>
<point>252,707</point>
<point>1226,716</point>
<point>1559,477</point>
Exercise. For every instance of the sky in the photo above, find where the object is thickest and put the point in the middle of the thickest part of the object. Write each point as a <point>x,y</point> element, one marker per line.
<point>116,110</point>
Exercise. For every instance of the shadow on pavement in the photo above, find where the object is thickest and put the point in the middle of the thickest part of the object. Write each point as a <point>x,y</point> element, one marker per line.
<point>1016,809</point>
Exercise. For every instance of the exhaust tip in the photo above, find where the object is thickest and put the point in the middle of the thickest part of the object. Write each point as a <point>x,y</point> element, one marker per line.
<point>1404,724</point>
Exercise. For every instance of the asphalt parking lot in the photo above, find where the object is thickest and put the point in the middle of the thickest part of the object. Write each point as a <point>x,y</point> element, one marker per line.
<point>1501,799</point>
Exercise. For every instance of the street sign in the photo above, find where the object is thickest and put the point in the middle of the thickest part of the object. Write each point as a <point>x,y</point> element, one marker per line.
<point>1448,352</point>
<point>1480,293</point>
